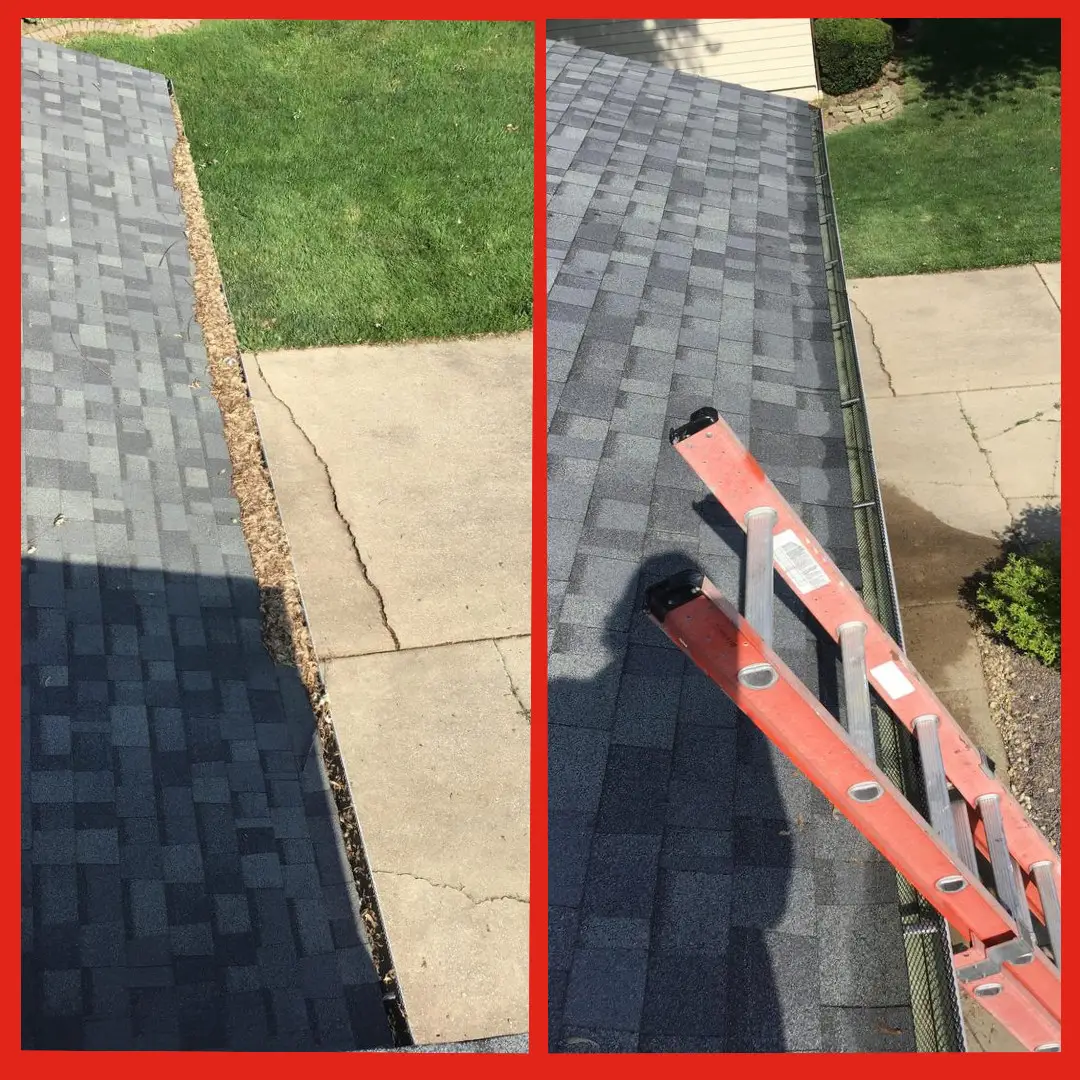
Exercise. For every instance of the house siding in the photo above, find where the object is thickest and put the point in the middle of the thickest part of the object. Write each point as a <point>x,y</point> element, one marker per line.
<point>775,55</point>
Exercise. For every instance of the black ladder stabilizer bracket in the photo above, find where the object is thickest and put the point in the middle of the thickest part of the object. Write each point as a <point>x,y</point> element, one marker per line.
<point>1013,951</point>
<point>699,421</point>
<point>665,596</point>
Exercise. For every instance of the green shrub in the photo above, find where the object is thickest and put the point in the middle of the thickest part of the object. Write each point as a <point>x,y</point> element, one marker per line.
<point>1024,600</point>
<point>851,52</point>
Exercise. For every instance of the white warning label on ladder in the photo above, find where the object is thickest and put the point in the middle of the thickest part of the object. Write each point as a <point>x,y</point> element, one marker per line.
<point>800,566</point>
<point>892,680</point>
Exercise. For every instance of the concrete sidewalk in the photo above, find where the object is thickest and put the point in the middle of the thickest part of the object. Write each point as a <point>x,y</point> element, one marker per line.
<point>963,378</point>
<point>403,478</point>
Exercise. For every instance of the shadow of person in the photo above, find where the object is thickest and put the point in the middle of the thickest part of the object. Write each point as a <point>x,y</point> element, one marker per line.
<point>681,889</point>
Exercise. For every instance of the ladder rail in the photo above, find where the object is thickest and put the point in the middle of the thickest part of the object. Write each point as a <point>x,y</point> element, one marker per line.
<point>737,481</point>
<point>710,631</point>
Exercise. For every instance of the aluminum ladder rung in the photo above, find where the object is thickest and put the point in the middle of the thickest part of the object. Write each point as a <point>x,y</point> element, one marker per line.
<point>1001,862</point>
<point>860,721</point>
<point>965,842</point>
<point>758,598</point>
<point>1044,882</point>
<point>937,784</point>
<point>1023,912</point>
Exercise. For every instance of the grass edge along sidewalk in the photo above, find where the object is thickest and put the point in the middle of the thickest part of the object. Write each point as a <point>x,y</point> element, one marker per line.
<point>365,181</point>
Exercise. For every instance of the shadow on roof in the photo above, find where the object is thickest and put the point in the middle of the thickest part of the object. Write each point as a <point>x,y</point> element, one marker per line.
<point>685,888</point>
<point>185,884</point>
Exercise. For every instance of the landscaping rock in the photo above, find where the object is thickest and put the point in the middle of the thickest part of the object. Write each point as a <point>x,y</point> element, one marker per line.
<point>879,102</point>
<point>1025,701</point>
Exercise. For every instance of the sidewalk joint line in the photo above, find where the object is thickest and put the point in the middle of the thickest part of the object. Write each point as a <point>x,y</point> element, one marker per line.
<point>976,389</point>
<point>424,648</point>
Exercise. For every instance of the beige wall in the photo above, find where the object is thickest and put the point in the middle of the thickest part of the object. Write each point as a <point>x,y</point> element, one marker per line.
<point>763,54</point>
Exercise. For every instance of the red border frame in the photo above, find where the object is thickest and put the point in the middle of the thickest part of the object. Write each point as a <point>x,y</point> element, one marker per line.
<point>538,772</point>
<point>175,1063</point>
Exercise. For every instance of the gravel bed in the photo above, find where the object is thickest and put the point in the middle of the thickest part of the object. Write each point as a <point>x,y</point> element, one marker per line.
<point>1025,702</point>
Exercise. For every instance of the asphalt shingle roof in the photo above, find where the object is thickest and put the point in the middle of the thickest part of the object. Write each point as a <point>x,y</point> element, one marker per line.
<point>184,881</point>
<point>703,895</point>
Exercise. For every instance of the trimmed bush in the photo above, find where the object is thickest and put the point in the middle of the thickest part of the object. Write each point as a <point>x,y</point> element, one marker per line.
<point>851,53</point>
<point>1023,599</point>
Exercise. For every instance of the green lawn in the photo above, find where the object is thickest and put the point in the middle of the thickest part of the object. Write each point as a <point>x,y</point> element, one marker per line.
<point>968,176</point>
<point>365,181</point>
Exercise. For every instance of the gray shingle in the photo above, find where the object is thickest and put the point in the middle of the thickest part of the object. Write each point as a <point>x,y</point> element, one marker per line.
<point>606,989</point>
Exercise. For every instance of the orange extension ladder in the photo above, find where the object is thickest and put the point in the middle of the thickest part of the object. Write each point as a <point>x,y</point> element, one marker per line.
<point>978,860</point>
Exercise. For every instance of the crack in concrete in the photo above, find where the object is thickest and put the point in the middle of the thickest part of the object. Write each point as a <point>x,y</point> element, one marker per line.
<point>1027,420</point>
<point>874,345</point>
<point>476,900</point>
<point>333,495</point>
<point>982,450</point>
<point>513,687</point>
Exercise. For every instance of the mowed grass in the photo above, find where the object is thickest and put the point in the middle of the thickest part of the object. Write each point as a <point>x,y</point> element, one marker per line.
<point>364,181</point>
<point>968,176</point>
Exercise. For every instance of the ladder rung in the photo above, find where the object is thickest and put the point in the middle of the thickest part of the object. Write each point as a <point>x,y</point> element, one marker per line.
<point>1000,860</point>
<point>965,842</point>
<point>758,601</point>
<point>860,722</point>
<point>1023,912</point>
<point>937,784</point>
<point>1044,882</point>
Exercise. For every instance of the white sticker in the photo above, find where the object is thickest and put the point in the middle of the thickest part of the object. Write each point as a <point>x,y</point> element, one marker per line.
<point>892,680</point>
<point>799,565</point>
